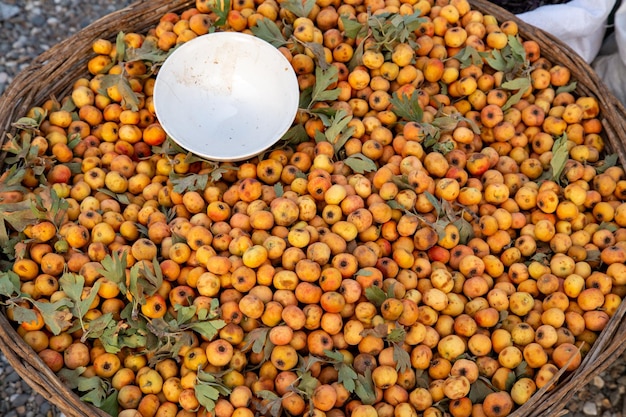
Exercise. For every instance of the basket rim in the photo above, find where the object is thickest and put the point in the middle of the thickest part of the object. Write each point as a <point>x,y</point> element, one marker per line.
<point>23,93</point>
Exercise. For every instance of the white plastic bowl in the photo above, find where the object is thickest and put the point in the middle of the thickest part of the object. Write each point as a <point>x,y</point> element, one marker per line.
<point>226,96</point>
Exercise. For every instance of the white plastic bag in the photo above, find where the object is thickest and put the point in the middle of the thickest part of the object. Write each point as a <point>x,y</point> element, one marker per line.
<point>580,24</point>
<point>612,71</point>
<point>611,68</point>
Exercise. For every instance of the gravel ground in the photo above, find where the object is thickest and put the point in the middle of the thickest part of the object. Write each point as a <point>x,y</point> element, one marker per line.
<point>28,28</point>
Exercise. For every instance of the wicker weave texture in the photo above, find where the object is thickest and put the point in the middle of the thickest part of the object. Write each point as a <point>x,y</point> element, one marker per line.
<point>54,72</point>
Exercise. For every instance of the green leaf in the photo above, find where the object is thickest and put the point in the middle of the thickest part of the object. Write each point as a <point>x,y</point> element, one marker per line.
<point>365,388</point>
<point>479,390</point>
<point>395,205</point>
<point>73,285</point>
<point>390,29</point>
<point>347,376</point>
<point>409,23</point>
<point>70,377</point>
<point>279,189</point>
<point>18,215</point>
<point>40,116</point>
<point>334,355</point>
<point>95,389</point>
<point>360,163</point>
<point>73,140</point>
<point>184,313</point>
<point>120,47</point>
<point>143,282</point>
<point>523,84</point>
<point>121,198</point>
<point>257,339</point>
<point>401,357</point>
<point>608,162</point>
<point>445,123</point>
<point>380,331</point>
<point>14,177</point>
<point>338,132</point>
<point>114,269</point>
<point>539,257</point>
<point>324,78</point>
<point>8,246</point>
<point>402,182</point>
<point>319,53</point>
<point>611,227</point>
<point>169,147</point>
<point>208,388</point>
<point>325,114</point>
<point>206,395</point>
<point>23,314</point>
<point>523,370</point>
<point>217,173</point>
<point>148,51</point>
<point>208,329</point>
<point>53,206</point>
<point>221,9</point>
<point>295,135</point>
<point>306,97</point>
<point>517,48</point>
<point>267,395</point>
<point>364,272</point>
<point>516,84</point>
<point>496,60</point>
<point>188,182</point>
<point>376,295</point>
<point>98,326</point>
<point>301,8</point>
<point>57,320</point>
<point>440,227</point>
<point>567,88</point>
<point>352,27</point>
<point>407,108</point>
<point>466,231</point>
<point>357,56</point>
<point>593,255</point>
<point>307,384</point>
<point>129,98</point>
<point>26,123</point>
<point>560,155</point>
<point>9,284</point>
<point>319,137</point>
<point>69,106</point>
<point>267,30</point>
<point>110,404</point>
<point>435,203</point>
<point>110,339</point>
<point>136,291</point>
<point>396,335</point>
<point>444,147</point>
<point>468,56</point>
<point>510,381</point>
<point>132,338</point>
<point>421,380</point>
<point>274,404</point>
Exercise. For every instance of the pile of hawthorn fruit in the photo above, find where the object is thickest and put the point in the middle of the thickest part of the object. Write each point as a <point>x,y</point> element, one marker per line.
<point>441,232</point>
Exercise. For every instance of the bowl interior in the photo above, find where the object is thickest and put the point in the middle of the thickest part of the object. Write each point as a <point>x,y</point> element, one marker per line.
<point>226,96</point>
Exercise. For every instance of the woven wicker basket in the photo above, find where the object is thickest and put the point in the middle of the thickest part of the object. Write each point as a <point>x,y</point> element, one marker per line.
<point>54,72</point>
<point>522,6</point>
